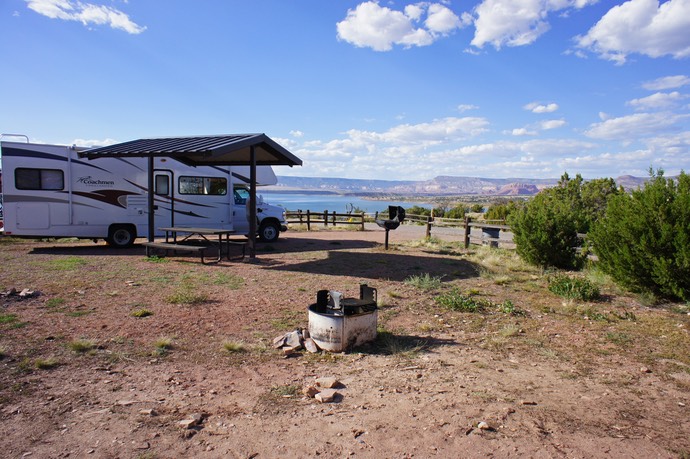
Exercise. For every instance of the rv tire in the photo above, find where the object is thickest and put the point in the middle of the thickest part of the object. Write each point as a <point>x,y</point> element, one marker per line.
<point>121,236</point>
<point>269,231</point>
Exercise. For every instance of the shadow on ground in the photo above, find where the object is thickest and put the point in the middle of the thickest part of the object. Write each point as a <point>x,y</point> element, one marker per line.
<point>387,343</point>
<point>384,265</point>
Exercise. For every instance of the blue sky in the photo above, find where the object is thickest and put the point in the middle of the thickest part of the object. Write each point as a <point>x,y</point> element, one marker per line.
<point>364,89</point>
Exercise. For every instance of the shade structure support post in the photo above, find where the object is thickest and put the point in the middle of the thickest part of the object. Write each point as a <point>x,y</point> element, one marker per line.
<point>151,219</point>
<point>387,238</point>
<point>252,203</point>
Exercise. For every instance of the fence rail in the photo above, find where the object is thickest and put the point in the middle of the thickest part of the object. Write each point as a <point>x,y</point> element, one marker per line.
<point>325,218</point>
<point>490,230</point>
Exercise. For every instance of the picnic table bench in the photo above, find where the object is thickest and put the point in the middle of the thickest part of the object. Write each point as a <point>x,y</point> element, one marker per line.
<point>226,238</point>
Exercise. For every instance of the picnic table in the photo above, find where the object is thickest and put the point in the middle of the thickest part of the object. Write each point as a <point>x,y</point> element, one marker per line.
<point>226,238</point>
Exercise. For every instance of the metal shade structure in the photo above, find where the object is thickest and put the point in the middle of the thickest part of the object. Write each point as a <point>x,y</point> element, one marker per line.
<point>219,150</point>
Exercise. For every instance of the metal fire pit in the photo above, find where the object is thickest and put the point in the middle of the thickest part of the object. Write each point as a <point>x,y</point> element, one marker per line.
<point>337,324</point>
<point>396,215</point>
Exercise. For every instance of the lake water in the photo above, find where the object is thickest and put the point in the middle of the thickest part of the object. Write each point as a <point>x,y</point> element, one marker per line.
<point>331,202</point>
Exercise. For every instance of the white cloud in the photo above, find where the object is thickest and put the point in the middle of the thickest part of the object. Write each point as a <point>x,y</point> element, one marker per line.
<point>641,124</point>
<point>552,124</point>
<point>668,82</point>
<point>516,22</point>
<point>536,107</point>
<point>93,142</point>
<point>522,132</point>
<point>641,26</point>
<point>296,133</point>
<point>86,13</point>
<point>370,25</point>
<point>466,107</point>
<point>658,101</point>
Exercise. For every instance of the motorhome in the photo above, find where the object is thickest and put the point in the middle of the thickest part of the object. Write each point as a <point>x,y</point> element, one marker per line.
<point>50,191</point>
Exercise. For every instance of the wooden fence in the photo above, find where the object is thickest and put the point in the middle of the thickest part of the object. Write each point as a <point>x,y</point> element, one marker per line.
<point>491,230</point>
<point>324,218</point>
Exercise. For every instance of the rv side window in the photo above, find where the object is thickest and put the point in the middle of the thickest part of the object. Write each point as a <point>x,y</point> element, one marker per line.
<point>39,179</point>
<point>162,186</point>
<point>203,185</point>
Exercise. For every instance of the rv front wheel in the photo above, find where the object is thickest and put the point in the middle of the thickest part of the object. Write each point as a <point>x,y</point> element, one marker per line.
<point>121,236</point>
<point>269,231</point>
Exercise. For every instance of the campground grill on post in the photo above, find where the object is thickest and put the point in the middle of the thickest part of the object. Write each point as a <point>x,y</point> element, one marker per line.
<point>396,215</point>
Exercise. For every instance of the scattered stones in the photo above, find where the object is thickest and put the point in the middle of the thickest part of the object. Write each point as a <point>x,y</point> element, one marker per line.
<point>310,391</point>
<point>279,341</point>
<point>326,395</point>
<point>25,293</point>
<point>327,382</point>
<point>294,339</point>
<point>310,346</point>
<point>125,402</point>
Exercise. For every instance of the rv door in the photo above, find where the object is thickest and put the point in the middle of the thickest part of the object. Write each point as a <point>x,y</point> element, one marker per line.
<point>164,198</point>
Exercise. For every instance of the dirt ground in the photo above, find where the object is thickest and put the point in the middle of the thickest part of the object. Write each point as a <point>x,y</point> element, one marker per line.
<point>551,382</point>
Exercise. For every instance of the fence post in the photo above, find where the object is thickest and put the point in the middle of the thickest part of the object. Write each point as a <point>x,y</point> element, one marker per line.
<point>333,213</point>
<point>308,220</point>
<point>325,218</point>
<point>428,226</point>
<point>299,214</point>
<point>362,221</point>
<point>467,231</point>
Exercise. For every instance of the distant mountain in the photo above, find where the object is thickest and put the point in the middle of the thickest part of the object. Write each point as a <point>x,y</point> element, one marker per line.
<point>442,185</point>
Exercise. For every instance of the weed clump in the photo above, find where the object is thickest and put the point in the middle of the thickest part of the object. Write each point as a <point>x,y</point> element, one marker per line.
<point>143,312</point>
<point>81,346</point>
<point>457,301</point>
<point>424,281</point>
<point>573,288</point>
<point>233,347</point>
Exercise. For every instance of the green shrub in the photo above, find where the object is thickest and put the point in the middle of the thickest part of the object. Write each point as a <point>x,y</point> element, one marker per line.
<point>501,210</point>
<point>457,212</point>
<point>573,288</point>
<point>643,241</point>
<point>418,210</point>
<point>546,229</point>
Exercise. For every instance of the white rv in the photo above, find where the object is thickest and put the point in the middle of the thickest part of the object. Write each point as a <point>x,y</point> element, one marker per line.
<point>49,191</point>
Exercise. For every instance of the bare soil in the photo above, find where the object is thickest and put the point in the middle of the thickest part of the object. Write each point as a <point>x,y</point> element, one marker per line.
<point>606,379</point>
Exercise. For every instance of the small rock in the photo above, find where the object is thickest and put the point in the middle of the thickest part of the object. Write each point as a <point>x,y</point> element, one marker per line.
<point>192,421</point>
<point>125,402</point>
<point>326,395</point>
<point>148,412</point>
<point>645,370</point>
<point>310,391</point>
<point>287,351</point>
<point>142,445</point>
<point>681,404</point>
<point>187,423</point>
<point>294,339</point>
<point>278,341</point>
<point>484,426</point>
<point>328,382</point>
<point>310,346</point>
<point>26,293</point>
<point>528,402</point>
